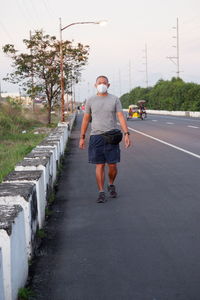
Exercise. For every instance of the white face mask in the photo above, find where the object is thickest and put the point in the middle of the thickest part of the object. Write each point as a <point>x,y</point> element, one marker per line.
<point>102,88</point>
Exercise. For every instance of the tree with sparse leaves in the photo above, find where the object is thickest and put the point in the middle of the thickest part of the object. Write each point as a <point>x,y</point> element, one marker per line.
<point>38,70</point>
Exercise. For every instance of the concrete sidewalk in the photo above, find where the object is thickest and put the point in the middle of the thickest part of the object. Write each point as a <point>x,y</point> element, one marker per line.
<point>122,250</point>
<point>86,254</point>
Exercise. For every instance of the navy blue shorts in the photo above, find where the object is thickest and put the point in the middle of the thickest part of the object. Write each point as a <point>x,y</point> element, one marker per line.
<point>99,152</point>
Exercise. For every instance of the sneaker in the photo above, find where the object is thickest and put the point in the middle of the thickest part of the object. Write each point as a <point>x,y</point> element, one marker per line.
<point>101,198</point>
<point>112,191</point>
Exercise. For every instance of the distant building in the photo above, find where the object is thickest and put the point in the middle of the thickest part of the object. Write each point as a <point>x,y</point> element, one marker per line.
<point>12,95</point>
<point>24,100</point>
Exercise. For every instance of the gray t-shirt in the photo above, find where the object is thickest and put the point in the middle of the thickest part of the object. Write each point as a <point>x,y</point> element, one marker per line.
<point>103,110</point>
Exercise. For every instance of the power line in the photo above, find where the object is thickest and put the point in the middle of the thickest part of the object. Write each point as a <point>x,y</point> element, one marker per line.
<point>35,11</point>
<point>50,12</point>
<point>23,12</point>
<point>7,34</point>
<point>29,13</point>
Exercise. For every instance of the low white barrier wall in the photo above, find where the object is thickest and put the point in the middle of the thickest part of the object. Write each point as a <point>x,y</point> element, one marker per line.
<point>51,143</point>
<point>192,114</point>
<point>34,154</point>
<point>14,252</point>
<point>2,295</point>
<point>37,178</point>
<point>37,164</point>
<point>23,194</point>
<point>42,152</point>
<point>23,199</point>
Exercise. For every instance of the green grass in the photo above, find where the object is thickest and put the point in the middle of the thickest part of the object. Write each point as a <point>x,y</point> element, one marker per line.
<point>48,212</point>
<point>25,293</point>
<point>13,148</point>
<point>41,233</point>
<point>14,144</point>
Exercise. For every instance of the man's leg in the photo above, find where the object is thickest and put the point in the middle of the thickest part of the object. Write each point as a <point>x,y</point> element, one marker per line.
<point>112,173</point>
<point>100,176</point>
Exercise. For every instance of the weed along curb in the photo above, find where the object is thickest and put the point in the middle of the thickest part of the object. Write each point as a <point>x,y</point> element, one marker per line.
<point>24,195</point>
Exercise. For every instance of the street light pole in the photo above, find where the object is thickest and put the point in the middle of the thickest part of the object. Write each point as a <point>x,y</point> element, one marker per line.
<point>61,62</point>
<point>62,77</point>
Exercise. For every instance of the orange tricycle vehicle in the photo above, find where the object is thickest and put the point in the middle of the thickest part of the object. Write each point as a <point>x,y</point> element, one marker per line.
<point>137,111</point>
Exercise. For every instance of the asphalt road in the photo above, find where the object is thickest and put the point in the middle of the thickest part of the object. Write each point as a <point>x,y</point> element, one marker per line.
<point>145,244</point>
<point>179,131</point>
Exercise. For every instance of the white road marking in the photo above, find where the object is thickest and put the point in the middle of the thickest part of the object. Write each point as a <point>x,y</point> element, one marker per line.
<point>154,120</point>
<point>177,118</point>
<point>190,126</point>
<point>170,123</point>
<point>165,143</point>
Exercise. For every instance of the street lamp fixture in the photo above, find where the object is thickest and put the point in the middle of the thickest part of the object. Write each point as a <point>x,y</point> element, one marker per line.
<point>102,23</point>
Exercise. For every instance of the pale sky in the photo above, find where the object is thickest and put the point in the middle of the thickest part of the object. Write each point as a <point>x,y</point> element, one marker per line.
<point>116,50</point>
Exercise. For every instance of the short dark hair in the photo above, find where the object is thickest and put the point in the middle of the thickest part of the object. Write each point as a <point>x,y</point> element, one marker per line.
<point>103,77</point>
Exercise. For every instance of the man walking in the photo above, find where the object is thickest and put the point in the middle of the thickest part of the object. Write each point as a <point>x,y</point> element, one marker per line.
<point>104,109</point>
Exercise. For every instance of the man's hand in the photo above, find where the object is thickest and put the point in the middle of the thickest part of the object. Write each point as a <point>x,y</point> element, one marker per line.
<point>127,141</point>
<point>84,126</point>
<point>124,127</point>
<point>82,143</point>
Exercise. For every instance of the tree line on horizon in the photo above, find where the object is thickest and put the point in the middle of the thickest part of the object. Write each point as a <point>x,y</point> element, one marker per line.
<point>174,94</point>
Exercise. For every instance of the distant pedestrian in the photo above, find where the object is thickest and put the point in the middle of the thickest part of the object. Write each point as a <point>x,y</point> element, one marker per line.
<point>104,138</point>
<point>78,109</point>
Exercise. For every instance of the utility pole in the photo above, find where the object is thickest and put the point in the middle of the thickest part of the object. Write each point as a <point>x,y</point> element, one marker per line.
<point>74,92</point>
<point>0,90</point>
<point>120,87</point>
<point>114,84</point>
<point>20,94</point>
<point>175,59</point>
<point>130,76</point>
<point>71,91</point>
<point>32,76</point>
<point>88,89</point>
<point>177,36</point>
<point>146,66</point>
<point>62,78</point>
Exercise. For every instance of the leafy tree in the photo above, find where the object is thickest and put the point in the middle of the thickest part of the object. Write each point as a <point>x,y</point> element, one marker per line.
<point>172,94</point>
<point>125,100</point>
<point>136,94</point>
<point>42,62</point>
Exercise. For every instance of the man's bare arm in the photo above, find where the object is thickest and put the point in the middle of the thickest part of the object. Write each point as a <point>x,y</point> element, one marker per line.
<point>122,121</point>
<point>84,126</point>
<point>124,127</point>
